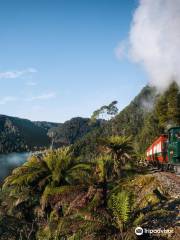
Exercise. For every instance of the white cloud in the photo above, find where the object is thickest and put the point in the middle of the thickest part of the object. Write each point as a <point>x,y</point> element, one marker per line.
<point>44,96</point>
<point>155,40</point>
<point>7,99</point>
<point>17,73</point>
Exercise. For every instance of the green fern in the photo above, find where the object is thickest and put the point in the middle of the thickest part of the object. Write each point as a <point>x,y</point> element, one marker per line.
<point>120,206</point>
<point>138,220</point>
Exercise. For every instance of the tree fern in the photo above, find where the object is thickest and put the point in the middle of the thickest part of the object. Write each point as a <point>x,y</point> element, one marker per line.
<point>58,161</point>
<point>79,173</point>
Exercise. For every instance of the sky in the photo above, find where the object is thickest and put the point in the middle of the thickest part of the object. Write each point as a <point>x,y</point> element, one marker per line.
<point>58,58</point>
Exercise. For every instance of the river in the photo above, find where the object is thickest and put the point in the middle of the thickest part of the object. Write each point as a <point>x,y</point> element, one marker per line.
<point>10,161</point>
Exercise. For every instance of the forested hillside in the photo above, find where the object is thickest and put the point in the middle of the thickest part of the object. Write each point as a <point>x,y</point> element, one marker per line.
<point>18,135</point>
<point>165,114</point>
<point>96,187</point>
<point>46,125</point>
<point>71,131</point>
<point>147,116</point>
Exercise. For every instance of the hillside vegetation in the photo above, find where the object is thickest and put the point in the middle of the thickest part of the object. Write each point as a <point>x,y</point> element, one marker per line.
<point>71,131</point>
<point>96,186</point>
<point>147,116</point>
<point>18,135</point>
<point>57,196</point>
<point>144,119</point>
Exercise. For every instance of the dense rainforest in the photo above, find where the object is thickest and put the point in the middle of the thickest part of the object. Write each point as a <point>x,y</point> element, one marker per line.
<point>96,185</point>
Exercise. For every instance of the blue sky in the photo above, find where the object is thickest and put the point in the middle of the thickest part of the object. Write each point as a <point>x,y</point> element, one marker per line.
<point>57,57</point>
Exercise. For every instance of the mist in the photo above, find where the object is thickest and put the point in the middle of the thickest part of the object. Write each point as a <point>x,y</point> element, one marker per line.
<point>154,40</point>
<point>147,104</point>
<point>10,161</point>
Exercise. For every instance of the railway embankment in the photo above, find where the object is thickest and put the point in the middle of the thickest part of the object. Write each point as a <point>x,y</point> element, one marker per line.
<point>171,183</point>
<point>157,203</point>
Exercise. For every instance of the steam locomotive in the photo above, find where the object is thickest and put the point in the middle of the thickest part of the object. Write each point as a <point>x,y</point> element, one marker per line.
<point>164,152</point>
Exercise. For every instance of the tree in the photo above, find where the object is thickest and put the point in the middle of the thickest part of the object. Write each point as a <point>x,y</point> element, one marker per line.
<point>45,176</point>
<point>168,107</point>
<point>104,167</point>
<point>109,110</point>
<point>120,147</point>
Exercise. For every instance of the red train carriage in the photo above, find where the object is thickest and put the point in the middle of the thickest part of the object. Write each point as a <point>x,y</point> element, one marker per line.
<point>157,152</point>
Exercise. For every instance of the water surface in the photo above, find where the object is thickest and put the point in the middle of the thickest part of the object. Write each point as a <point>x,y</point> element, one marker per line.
<point>10,161</point>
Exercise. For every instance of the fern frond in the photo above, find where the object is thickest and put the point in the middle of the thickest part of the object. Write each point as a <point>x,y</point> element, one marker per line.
<point>120,206</point>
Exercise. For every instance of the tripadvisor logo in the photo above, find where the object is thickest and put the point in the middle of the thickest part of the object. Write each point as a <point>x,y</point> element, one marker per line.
<point>139,231</point>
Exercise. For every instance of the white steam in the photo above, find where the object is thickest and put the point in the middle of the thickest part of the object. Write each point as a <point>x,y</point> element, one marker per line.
<point>155,40</point>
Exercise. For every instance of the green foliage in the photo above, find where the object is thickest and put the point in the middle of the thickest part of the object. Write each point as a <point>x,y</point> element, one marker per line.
<point>166,113</point>
<point>120,148</point>
<point>109,110</point>
<point>117,144</point>
<point>104,166</point>
<point>76,192</point>
<point>120,206</point>
<point>138,220</point>
<point>76,209</point>
<point>95,202</point>
<point>17,135</point>
<point>168,107</point>
<point>71,131</point>
<point>57,162</point>
<point>45,177</point>
<point>146,117</point>
<point>129,122</point>
<point>86,148</point>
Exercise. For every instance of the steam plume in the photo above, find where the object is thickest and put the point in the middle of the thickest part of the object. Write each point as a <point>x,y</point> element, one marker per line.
<point>155,40</point>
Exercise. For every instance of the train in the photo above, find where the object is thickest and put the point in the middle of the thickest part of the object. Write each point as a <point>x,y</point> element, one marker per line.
<point>164,152</point>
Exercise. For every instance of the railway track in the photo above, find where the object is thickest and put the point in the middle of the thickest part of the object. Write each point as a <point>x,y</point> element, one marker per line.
<point>155,169</point>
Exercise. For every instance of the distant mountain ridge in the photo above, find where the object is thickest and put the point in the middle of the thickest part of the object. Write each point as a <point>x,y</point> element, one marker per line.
<point>147,116</point>
<point>18,135</point>
<point>72,130</point>
<point>46,125</point>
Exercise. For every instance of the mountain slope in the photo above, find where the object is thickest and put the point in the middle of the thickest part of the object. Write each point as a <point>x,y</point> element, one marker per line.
<point>17,135</point>
<point>46,125</point>
<point>130,120</point>
<point>145,118</point>
<point>72,130</point>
